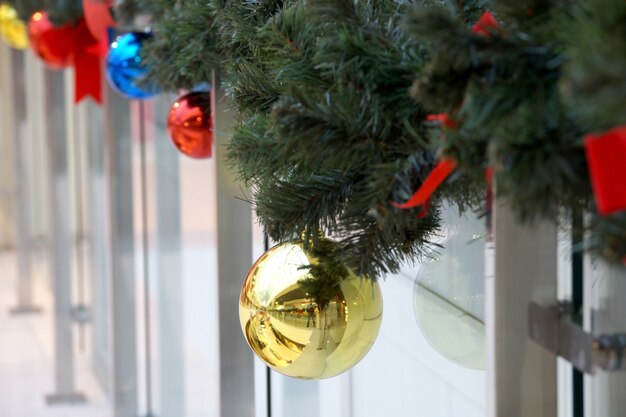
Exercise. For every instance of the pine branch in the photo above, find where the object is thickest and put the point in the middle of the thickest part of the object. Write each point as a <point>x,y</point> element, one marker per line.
<point>60,12</point>
<point>297,204</point>
<point>594,79</point>
<point>608,237</point>
<point>182,52</point>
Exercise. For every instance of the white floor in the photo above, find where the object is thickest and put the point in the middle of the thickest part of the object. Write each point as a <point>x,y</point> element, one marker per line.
<point>26,355</point>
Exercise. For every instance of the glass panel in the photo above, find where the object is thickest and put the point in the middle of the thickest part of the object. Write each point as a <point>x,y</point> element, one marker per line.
<point>292,397</point>
<point>183,292</point>
<point>48,366</point>
<point>449,292</point>
<point>126,364</point>
<point>431,346</point>
<point>97,232</point>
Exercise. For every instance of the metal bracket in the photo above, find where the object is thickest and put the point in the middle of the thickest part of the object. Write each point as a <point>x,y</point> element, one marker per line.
<point>81,314</point>
<point>553,329</point>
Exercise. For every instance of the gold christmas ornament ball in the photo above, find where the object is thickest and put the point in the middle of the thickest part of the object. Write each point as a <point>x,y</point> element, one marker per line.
<point>305,314</point>
<point>12,30</point>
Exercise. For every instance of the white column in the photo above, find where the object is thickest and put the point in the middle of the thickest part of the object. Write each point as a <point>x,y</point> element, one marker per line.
<point>521,376</point>
<point>234,248</point>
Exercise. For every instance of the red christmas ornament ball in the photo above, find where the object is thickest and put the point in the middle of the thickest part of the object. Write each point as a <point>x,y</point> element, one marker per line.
<point>54,45</point>
<point>190,125</point>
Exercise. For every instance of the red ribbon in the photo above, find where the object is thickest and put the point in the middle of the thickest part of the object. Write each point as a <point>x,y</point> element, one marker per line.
<point>444,119</point>
<point>90,44</point>
<point>88,71</point>
<point>63,46</point>
<point>438,175</point>
<point>606,158</point>
<point>99,20</point>
<point>421,198</point>
<point>485,25</point>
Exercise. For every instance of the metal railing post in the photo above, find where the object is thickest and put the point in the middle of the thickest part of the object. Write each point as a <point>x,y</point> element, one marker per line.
<point>123,285</point>
<point>22,182</point>
<point>60,242</point>
<point>170,277</point>
<point>36,113</point>
<point>6,149</point>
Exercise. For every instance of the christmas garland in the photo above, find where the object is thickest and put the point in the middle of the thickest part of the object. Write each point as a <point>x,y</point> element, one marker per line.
<point>61,12</point>
<point>345,109</point>
<point>511,111</point>
<point>327,135</point>
<point>310,80</point>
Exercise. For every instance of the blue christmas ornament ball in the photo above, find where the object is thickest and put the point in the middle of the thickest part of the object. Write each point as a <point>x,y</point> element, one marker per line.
<point>125,69</point>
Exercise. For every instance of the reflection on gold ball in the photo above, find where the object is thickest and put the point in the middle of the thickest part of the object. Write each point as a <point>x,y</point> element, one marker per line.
<point>302,319</point>
<point>12,29</point>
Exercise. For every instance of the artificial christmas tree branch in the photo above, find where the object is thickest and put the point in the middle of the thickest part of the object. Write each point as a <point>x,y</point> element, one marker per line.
<point>336,103</point>
<point>60,12</point>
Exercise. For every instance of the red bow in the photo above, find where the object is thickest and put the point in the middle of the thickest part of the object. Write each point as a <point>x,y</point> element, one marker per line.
<point>99,20</point>
<point>606,157</point>
<point>485,25</point>
<point>63,46</point>
<point>87,64</point>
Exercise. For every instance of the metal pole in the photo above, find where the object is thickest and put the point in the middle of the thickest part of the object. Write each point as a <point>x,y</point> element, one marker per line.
<point>36,110</point>
<point>521,267</point>
<point>123,286</point>
<point>21,186</point>
<point>169,272</point>
<point>99,248</point>
<point>80,311</point>
<point>61,243</point>
<point>145,238</point>
<point>268,370</point>
<point>6,162</point>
